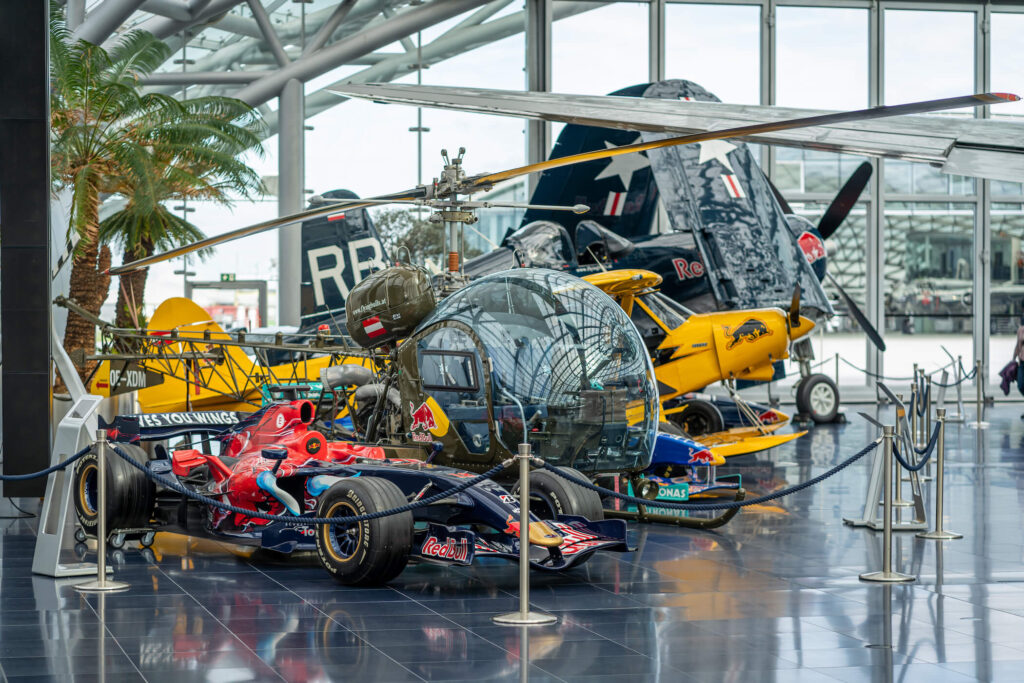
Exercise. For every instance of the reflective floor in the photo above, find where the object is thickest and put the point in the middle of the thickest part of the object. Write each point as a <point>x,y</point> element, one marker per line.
<point>773,596</point>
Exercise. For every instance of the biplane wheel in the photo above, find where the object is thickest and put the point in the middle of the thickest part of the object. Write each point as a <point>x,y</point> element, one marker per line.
<point>131,496</point>
<point>551,495</point>
<point>699,417</point>
<point>370,552</point>
<point>818,397</point>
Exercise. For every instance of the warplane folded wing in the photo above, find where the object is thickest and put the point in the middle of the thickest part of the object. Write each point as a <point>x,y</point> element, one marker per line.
<point>957,145</point>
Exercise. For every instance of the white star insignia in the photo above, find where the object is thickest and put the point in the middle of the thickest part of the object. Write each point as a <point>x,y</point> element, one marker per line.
<point>624,166</point>
<point>716,149</point>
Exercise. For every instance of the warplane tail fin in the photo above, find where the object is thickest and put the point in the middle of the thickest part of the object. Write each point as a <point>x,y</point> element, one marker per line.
<point>338,251</point>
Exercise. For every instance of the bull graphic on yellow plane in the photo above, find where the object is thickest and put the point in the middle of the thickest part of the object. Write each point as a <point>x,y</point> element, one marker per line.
<point>751,330</point>
<point>691,351</point>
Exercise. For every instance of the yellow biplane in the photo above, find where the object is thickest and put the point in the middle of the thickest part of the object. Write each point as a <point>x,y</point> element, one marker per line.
<point>691,351</point>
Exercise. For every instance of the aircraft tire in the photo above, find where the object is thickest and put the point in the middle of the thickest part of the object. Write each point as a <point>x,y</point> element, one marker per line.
<point>367,553</point>
<point>699,417</point>
<point>131,496</point>
<point>817,396</point>
<point>551,495</point>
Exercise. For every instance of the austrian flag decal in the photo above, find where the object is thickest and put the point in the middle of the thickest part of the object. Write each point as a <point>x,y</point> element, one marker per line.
<point>373,327</point>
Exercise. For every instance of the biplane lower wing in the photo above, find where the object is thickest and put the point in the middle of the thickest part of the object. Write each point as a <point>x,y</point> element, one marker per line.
<point>745,440</point>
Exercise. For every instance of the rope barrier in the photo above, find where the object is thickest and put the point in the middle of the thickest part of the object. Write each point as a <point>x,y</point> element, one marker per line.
<point>892,379</point>
<point>174,485</point>
<point>42,473</point>
<point>712,506</point>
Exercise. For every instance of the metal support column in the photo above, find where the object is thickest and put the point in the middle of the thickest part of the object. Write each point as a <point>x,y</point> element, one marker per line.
<point>290,199</point>
<point>25,309</point>
<point>981,298</point>
<point>875,224</point>
<point>768,74</point>
<point>538,78</point>
<point>656,41</point>
<point>75,14</point>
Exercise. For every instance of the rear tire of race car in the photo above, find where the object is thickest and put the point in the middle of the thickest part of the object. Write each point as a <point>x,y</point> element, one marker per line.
<point>817,396</point>
<point>131,496</point>
<point>370,552</point>
<point>551,495</point>
<point>699,417</point>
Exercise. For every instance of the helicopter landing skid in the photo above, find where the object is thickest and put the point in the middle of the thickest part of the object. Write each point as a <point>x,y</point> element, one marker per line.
<point>643,516</point>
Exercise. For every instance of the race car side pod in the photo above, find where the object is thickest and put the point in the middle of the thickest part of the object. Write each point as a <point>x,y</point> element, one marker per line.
<point>730,505</point>
<point>174,485</point>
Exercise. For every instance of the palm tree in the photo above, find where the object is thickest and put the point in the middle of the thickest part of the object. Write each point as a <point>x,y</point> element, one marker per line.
<point>109,138</point>
<point>195,156</point>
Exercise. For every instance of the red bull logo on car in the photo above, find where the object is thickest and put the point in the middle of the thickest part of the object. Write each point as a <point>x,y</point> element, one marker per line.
<point>701,457</point>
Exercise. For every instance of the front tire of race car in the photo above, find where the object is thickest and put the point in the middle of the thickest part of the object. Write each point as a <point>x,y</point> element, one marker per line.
<point>370,552</point>
<point>551,495</point>
<point>131,495</point>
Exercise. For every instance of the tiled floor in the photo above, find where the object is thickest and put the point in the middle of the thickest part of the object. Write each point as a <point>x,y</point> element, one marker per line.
<point>773,596</point>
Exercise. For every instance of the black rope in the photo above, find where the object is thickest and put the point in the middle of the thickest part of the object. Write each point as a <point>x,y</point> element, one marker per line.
<point>874,375</point>
<point>926,452</point>
<point>964,377</point>
<point>713,506</point>
<point>42,473</point>
<point>174,485</point>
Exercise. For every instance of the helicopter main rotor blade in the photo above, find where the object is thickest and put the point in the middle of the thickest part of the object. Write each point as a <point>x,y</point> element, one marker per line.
<point>841,206</point>
<point>976,100</point>
<point>858,315</point>
<point>279,222</point>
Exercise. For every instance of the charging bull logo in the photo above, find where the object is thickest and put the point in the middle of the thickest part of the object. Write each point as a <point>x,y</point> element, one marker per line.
<point>752,330</point>
<point>701,457</point>
<point>422,418</point>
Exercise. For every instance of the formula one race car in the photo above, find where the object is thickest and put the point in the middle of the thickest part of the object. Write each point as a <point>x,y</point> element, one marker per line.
<point>272,462</point>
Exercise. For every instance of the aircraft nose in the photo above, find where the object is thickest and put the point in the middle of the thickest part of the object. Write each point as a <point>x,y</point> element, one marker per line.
<point>806,325</point>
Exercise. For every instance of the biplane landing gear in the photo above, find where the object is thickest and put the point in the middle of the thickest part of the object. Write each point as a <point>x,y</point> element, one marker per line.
<point>817,397</point>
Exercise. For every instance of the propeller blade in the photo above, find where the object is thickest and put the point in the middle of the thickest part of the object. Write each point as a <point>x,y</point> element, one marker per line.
<point>786,208</point>
<point>794,308</point>
<point>844,201</point>
<point>859,316</point>
<point>977,100</point>
<point>278,222</point>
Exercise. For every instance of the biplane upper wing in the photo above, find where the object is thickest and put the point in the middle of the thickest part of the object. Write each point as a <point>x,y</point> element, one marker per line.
<point>957,145</point>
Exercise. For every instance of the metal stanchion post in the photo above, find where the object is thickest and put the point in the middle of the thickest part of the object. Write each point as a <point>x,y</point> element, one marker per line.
<point>524,616</point>
<point>101,584</point>
<point>887,574</point>
<point>926,434</point>
<point>897,470</point>
<point>939,534</point>
<point>914,398</point>
<point>980,399</point>
<point>837,369</point>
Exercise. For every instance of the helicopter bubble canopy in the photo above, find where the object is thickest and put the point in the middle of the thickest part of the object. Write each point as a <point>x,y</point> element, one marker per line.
<point>569,356</point>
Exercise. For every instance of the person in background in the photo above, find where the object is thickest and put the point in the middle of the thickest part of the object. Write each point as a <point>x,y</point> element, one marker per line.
<point>1018,355</point>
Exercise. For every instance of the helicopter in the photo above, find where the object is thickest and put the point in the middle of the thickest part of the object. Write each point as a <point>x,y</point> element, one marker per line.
<point>520,356</point>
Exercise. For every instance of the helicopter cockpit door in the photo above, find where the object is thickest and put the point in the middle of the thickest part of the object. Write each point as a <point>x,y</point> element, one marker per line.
<point>449,400</point>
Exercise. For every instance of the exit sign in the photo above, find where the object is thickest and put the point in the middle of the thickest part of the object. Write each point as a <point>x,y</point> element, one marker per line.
<point>227,277</point>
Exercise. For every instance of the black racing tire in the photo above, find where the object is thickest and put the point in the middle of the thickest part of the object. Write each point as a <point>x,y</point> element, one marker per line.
<point>817,396</point>
<point>367,553</point>
<point>131,496</point>
<point>699,417</point>
<point>551,495</point>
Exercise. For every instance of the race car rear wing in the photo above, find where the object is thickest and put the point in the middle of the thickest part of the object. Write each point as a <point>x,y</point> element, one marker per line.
<point>159,426</point>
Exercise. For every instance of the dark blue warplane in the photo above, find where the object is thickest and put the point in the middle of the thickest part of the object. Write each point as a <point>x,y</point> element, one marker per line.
<point>727,238</point>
